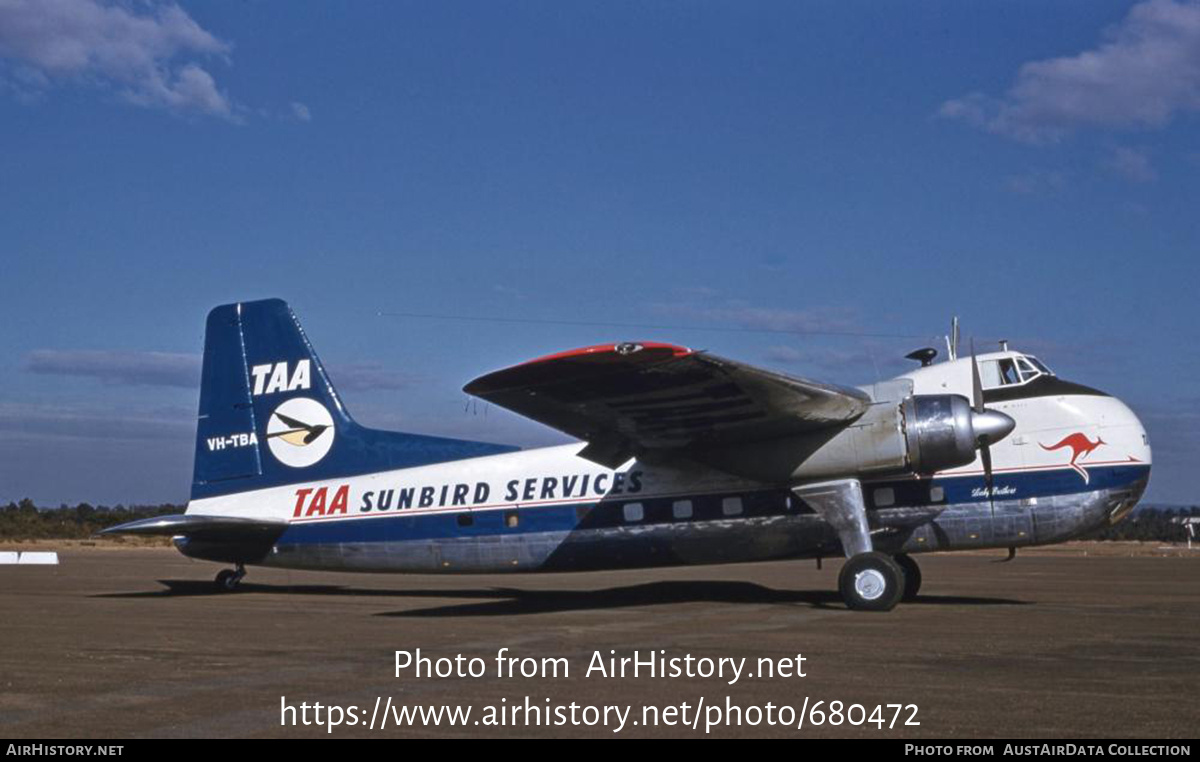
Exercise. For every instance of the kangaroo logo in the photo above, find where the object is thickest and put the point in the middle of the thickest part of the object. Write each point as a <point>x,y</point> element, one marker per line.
<point>300,432</point>
<point>1080,446</point>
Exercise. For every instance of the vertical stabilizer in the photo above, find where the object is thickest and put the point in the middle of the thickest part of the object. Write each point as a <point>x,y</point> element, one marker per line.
<point>269,414</point>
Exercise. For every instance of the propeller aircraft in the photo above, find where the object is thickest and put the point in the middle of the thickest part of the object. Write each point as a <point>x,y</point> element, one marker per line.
<point>684,458</point>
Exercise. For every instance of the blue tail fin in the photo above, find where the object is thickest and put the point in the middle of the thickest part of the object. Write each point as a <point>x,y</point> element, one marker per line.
<point>270,416</point>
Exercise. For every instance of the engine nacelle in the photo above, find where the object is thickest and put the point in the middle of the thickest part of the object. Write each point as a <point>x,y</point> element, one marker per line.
<point>939,431</point>
<point>923,433</point>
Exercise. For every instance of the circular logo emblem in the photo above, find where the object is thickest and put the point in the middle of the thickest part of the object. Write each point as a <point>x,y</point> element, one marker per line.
<point>300,432</point>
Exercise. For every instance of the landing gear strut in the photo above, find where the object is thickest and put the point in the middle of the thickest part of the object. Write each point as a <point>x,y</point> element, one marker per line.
<point>869,581</point>
<point>912,575</point>
<point>228,579</point>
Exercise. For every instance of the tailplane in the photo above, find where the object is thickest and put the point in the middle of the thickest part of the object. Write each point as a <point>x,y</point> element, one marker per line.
<point>270,416</point>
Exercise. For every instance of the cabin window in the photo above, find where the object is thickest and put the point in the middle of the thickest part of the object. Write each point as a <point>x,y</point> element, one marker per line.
<point>885,496</point>
<point>936,494</point>
<point>682,509</point>
<point>581,512</point>
<point>511,519</point>
<point>465,519</point>
<point>772,503</point>
<point>634,512</point>
<point>731,506</point>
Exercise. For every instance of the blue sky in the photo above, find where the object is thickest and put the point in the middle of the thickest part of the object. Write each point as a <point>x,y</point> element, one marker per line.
<point>856,167</point>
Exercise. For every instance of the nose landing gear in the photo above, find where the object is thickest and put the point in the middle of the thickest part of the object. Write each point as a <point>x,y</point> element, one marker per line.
<point>228,579</point>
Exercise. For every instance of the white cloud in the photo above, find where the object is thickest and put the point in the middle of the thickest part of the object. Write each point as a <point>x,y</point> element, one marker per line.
<point>861,362</point>
<point>117,367</point>
<point>301,111</point>
<point>356,377</point>
<point>509,292</point>
<point>751,317</point>
<point>136,51</point>
<point>1145,71</point>
<point>26,421</point>
<point>1132,164</point>
<point>126,368</point>
<point>1035,182</point>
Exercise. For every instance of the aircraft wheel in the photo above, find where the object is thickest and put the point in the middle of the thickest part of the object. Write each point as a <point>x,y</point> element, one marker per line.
<point>871,582</point>
<point>227,580</point>
<point>912,575</point>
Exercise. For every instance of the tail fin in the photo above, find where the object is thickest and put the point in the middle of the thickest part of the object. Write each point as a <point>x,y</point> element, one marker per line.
<point>270,416</point>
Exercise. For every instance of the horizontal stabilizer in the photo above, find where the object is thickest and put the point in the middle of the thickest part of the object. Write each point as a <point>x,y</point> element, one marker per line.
<point>195,524</point>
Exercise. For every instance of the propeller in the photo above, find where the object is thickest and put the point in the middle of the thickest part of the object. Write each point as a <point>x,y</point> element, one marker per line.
<point>990,426</point>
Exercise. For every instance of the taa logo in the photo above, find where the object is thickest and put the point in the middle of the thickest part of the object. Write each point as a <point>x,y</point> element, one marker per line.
<point>274,377</point>
<point>300,432</point>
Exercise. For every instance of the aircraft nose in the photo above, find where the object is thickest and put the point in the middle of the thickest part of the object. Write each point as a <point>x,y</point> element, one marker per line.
<point>1121,428</point>
<point>1122,432</point>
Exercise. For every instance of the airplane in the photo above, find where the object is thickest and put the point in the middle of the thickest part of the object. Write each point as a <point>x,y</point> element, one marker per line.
<point>684,458</point>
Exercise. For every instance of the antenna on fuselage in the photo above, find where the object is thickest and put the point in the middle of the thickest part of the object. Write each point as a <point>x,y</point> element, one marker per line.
<point>952,340</point>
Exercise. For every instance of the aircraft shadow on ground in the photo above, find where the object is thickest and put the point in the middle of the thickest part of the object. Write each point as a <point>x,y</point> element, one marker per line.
<point>504,601</point>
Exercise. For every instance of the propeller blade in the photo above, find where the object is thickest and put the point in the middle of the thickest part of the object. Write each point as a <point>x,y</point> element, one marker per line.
<point>976,382</point>
<point>989,425</point>
<point>985,454</point>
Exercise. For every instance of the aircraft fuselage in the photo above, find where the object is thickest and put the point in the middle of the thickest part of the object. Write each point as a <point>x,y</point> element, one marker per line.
<point>1076,460</point>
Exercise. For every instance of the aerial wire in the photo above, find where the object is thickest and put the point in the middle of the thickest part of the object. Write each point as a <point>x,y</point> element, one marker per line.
<point>654,326</point>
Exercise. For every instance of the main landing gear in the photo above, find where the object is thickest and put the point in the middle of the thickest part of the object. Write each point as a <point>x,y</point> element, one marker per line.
<point>228,579</point>
<point>912,575</point>
<point>869,580</point>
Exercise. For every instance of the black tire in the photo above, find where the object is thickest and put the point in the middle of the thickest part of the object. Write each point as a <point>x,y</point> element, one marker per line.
<point>871,582</point>
<point>227,580</point>
<point>912,575</point>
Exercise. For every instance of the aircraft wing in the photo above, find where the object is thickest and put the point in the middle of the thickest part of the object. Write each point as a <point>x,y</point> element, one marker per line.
<point>632,398</point>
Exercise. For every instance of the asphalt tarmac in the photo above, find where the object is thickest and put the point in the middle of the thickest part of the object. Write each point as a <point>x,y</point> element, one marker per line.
<point>123,643</point>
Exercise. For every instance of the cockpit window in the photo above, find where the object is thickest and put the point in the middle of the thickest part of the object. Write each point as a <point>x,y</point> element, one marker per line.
<point>1039,365</point>
<point>1028,372</point>
<point>989,374</point>
<point>995,373</point>
<point>1009,371</point>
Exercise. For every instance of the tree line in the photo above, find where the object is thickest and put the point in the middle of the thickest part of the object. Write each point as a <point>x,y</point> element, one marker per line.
<point>26,521</point>
<point>1150,524</point>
